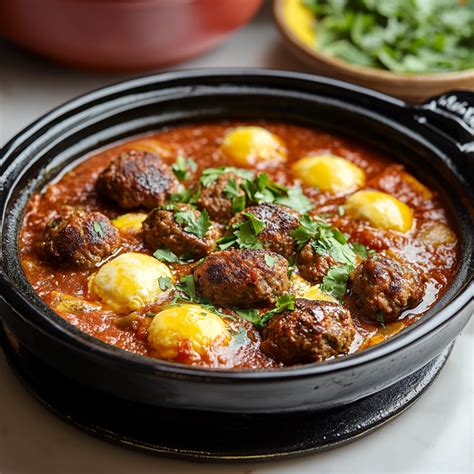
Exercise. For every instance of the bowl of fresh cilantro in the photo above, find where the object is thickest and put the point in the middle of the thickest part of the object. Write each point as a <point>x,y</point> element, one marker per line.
<point>412,49</point>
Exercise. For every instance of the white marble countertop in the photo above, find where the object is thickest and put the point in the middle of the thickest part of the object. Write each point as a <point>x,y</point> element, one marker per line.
<point>435,435</point>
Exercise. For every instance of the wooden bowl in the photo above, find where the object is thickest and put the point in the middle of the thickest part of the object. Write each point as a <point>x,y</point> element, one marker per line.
<point>122,35</point>
<point>295,24</point>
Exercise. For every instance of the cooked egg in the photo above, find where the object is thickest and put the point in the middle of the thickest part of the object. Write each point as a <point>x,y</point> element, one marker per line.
<point>249,145</point>
<point>129,282</point>
<point>315,293</point>
<point>329,173</point>
<point>129,223</point>
<point>188,327</point>
<point>436,233</point>
<point>381,210</point>
<point>298,285</point>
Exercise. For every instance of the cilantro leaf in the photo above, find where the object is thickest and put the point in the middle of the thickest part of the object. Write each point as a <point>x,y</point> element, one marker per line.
<point>165,255</point>
<point>379,317</point>
<point>183,167</point>
<point>252,315</point>
<point>187,286</point>
<point>283,303</point>
<point>165,283</point>
<point>99,228</point>
<point>295,199</point>
<point>189,196</point>
<point>187,220</point>
<point>335,281</point>
<point>269,260</point>
<point>210,175</point>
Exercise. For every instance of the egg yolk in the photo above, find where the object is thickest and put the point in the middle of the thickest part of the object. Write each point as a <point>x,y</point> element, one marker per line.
<point>250,145</point>
<point>188,327</point>
<point>129,223</point>
<point>129,282</point>
<point>329,173</point>
<point>381,210</point>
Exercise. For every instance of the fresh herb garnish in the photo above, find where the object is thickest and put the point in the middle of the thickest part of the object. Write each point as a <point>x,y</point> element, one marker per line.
<point>198,227</point>
<point>252,315</point>
<point>239,338</point>
<point>165,283</point>
<point>150,314</point>
<point>404,36</point>
<point>335,280</point>
<point>99,228</point>
<point>210,175</point>
<point>183,167</point>
<point>187,287</point>
<point>189,196</point>
<point>244,234</point>
<point>270,261</point>
<point>379,317</point>
<point>165,255</point>
<point>283,303</point>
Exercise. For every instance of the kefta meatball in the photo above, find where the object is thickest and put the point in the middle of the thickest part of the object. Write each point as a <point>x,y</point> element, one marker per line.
<point>217,199</point>
<point>80,239</point>
<point>181,229</point>
<point>313,266</point>
<point>382,288</point>
<point>137,179</point>
<point>312,332</point>
<point>279,222</point>
<point>242,278</point>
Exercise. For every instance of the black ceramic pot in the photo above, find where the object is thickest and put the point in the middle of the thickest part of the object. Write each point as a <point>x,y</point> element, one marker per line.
<point>433,139</point>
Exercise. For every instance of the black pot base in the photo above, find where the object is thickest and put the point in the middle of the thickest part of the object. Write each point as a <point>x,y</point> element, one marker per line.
<point>211,437</point>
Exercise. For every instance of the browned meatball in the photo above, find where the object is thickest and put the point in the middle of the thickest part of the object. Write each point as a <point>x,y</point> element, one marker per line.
<point>313,266</point>
<point>163,229</point>
<point>314,331</point>
<point>80,239</point>
<point>279,222</point>
<point>137,178</point>
<point>242,278</point>
<point>216,199</point>
<point>383,287</point>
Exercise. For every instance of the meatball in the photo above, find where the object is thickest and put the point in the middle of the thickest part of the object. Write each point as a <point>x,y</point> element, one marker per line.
<point>161,230</point>
<point>312,332</point>
<point>383,287</point>
<point>313,266</point>
<point>279,222</point>
<point>216,200</point>
<point>242,278</point>
<point>137,178</point>
<point>80,239</point>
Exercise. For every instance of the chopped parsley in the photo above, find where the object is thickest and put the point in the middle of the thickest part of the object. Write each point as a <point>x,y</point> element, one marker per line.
<point>165,283</point>
<point>165,255</point>
<point>150,314</point>
<point>187,220</point>
<point>183,167</point>
<point>232,191</point>
<point>252,315</point>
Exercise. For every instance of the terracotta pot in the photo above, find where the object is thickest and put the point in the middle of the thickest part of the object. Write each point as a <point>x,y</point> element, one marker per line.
<point>122,35</point>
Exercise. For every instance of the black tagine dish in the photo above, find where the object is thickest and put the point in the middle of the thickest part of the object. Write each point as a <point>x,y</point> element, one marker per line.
<point>433,139</point>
